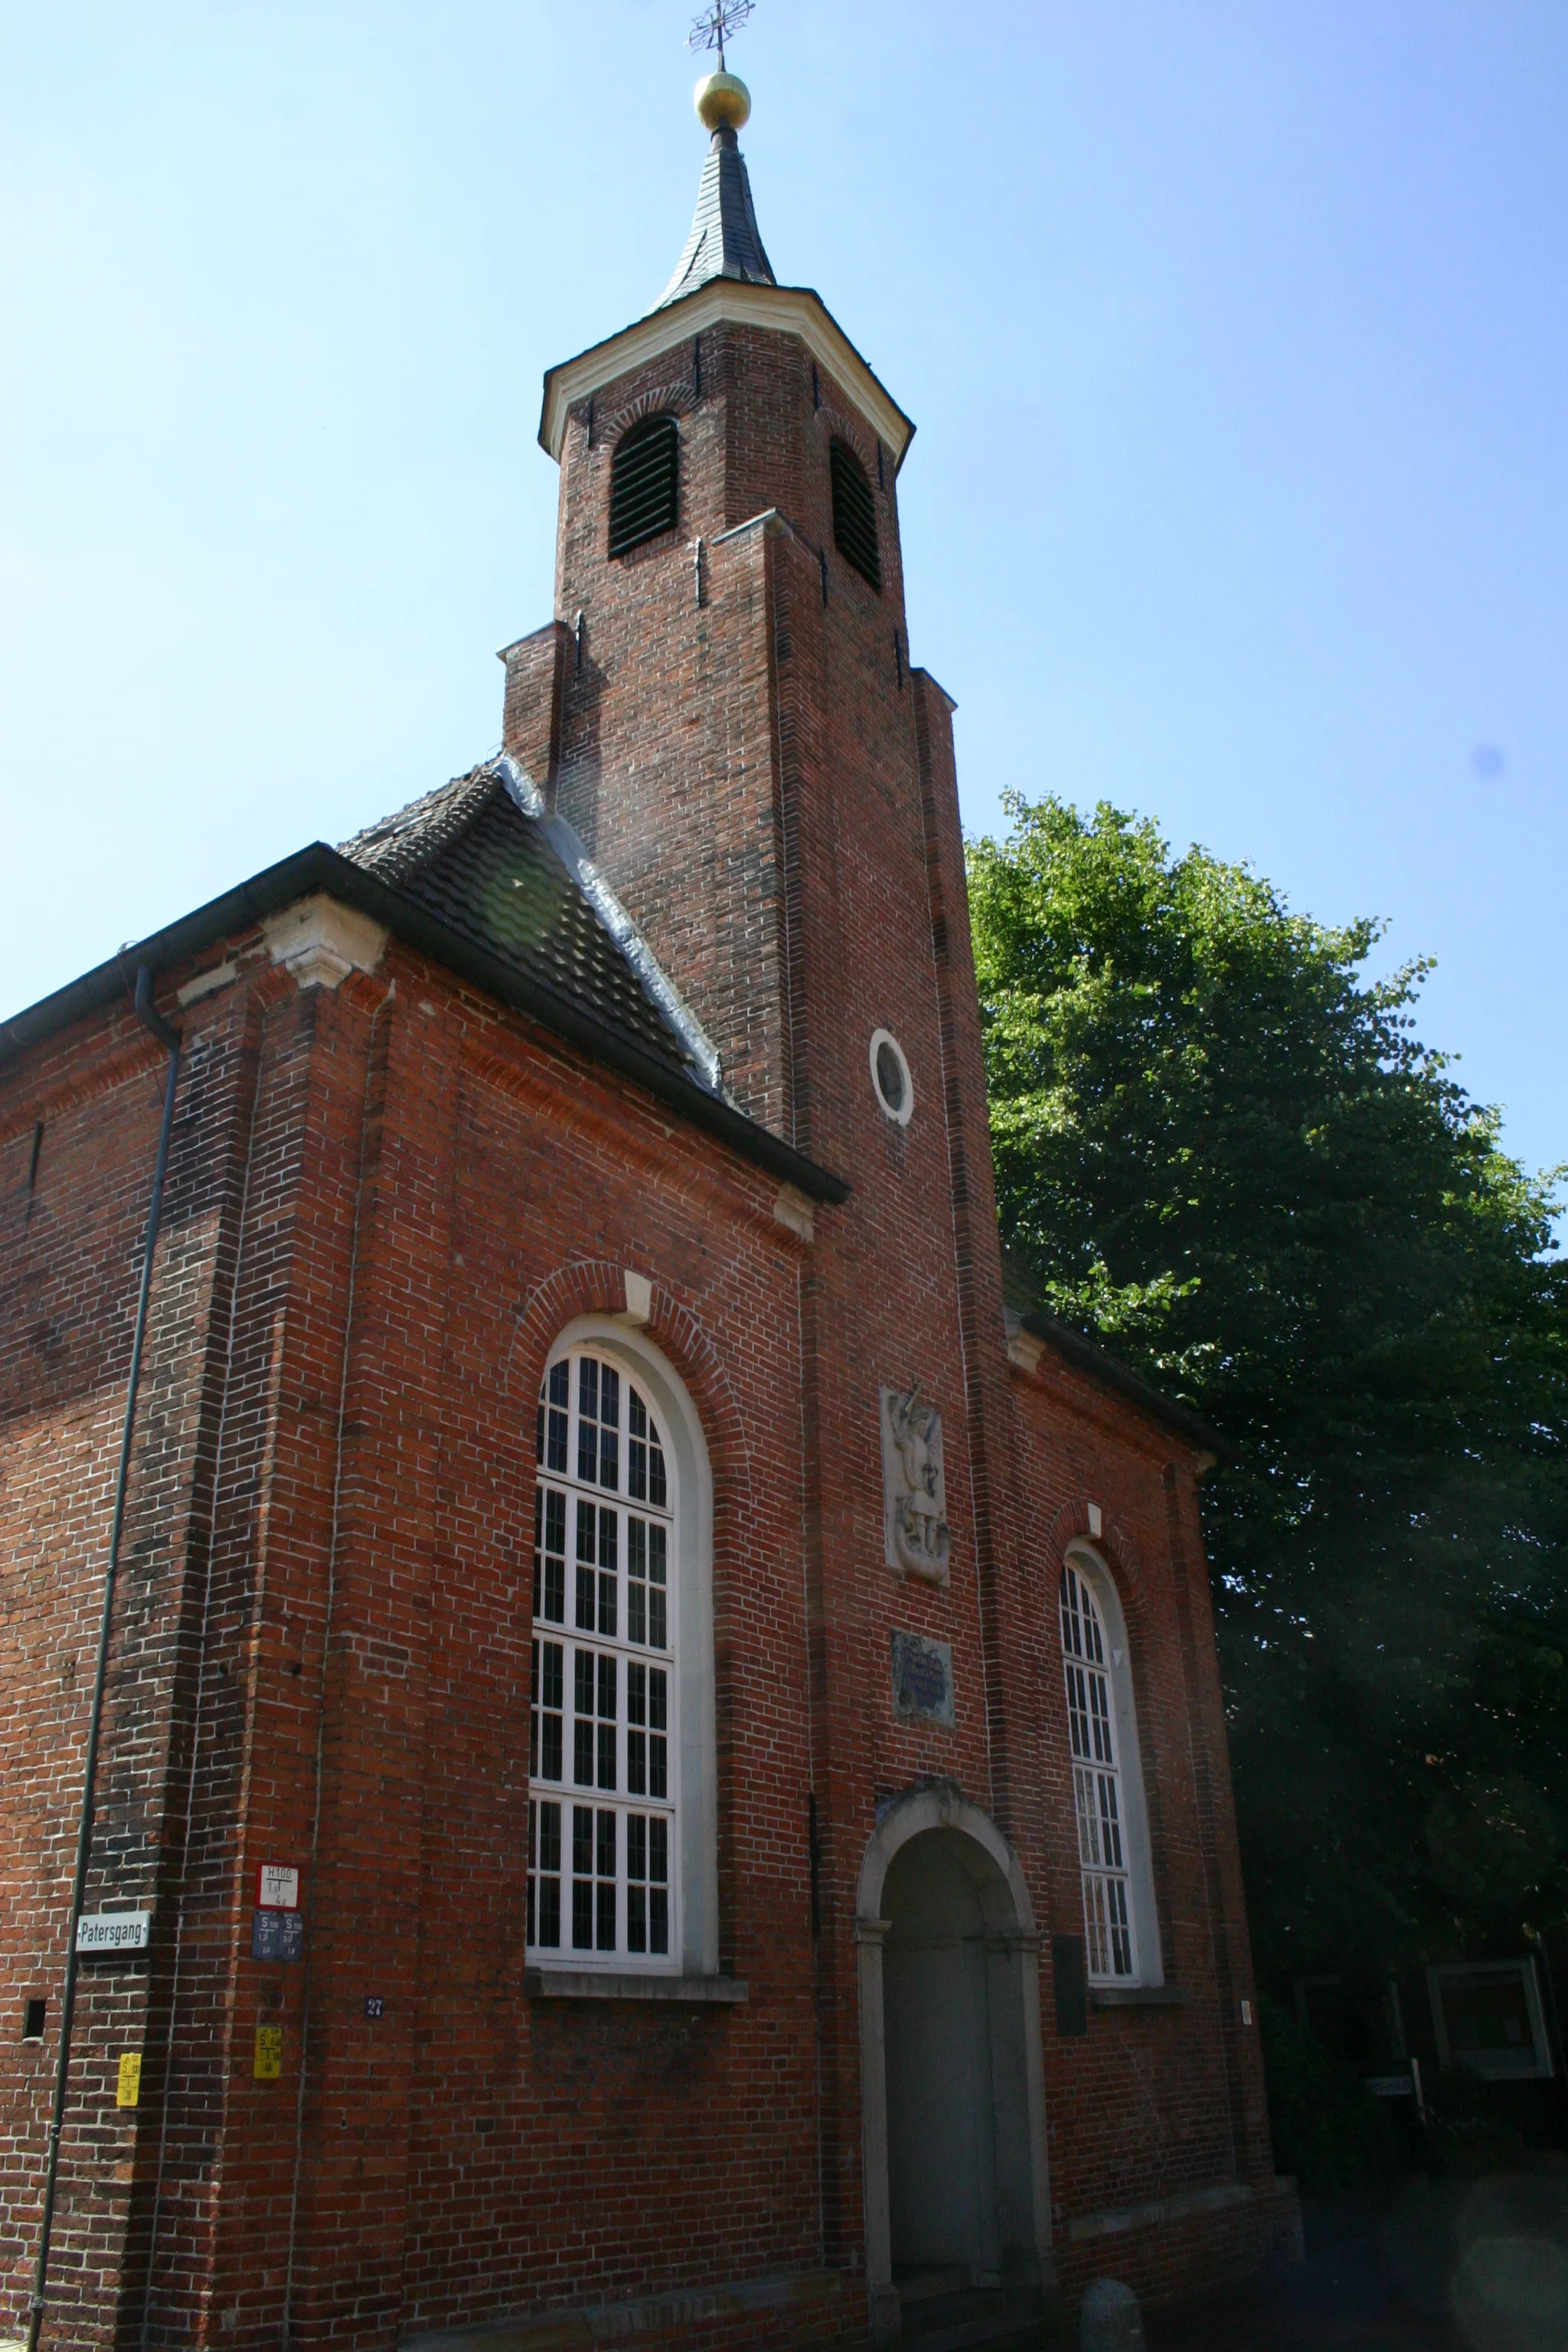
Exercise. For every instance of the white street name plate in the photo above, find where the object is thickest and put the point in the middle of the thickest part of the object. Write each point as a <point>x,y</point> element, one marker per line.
<point>113,1931</point>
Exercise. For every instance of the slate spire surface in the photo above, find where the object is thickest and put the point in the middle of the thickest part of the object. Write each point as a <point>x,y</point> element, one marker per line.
<point>724,240</point>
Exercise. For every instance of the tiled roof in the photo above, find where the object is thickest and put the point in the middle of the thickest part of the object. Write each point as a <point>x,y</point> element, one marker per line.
<point>400,843</point>
<point>724,241</point>
<point>477,877</point>
<point>488,869</point>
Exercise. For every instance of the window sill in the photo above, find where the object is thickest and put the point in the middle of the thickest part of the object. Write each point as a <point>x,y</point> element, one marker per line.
<point>591,1984</point>
<point>1165,1996</point>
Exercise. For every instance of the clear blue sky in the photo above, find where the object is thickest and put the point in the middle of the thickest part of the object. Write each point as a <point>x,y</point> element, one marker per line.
<point>1236,333</point>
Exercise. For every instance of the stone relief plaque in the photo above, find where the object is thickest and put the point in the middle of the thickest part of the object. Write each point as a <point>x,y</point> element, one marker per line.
<point>913,1493</point>
<point>922,1679</point>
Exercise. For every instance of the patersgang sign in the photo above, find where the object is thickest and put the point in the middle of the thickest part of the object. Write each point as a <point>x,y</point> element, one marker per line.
<point>113,1931</point>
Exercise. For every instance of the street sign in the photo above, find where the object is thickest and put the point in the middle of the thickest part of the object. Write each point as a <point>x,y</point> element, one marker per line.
<point>113,1931</point>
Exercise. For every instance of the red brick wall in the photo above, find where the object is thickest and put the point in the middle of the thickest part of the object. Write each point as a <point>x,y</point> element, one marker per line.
<point>1153,2103</point>
<point>399,1500</point>
<point>72,1261</point>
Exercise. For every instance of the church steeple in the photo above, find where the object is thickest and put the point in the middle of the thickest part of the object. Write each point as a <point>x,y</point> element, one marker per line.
<point>728,573</point>
<point>724,240</point>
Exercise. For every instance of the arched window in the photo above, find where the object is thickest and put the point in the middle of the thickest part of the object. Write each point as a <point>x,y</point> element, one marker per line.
<point>620,1718</point>
<point>1120,1939</point>
<point>645,483</point>
<point>854,514</point>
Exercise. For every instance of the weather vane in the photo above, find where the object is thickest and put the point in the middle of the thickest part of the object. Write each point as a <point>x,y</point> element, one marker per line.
<point>716,22</point>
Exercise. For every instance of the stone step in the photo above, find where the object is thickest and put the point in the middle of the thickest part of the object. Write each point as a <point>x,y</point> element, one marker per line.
<point>918,2285</point>
<point>955,2320</point>
<point>997,2331</point>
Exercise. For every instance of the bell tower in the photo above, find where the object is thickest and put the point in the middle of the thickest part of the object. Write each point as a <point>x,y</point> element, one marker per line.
<point>723,708</point>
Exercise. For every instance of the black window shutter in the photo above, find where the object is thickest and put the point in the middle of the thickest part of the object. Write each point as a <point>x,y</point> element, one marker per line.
<point>645,483</point>
<point>854,514</point>
<point>1072,1987</point>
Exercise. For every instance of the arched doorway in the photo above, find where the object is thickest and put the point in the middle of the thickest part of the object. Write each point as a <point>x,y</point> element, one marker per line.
<point>942,2107</point>
<point>953,2102</point>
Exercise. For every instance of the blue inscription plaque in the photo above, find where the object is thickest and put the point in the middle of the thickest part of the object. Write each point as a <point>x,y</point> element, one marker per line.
<point>922,1680</point>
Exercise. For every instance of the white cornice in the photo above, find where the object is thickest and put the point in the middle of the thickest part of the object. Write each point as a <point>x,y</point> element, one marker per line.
<point>789,309</point>
<point>320,941</point>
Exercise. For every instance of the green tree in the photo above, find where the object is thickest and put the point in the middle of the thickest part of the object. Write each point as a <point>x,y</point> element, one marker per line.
<point>1222,1151</point>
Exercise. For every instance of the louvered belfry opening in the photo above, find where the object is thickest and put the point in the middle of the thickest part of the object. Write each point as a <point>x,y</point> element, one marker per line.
<point>645,483</point>
<point>854,514</point>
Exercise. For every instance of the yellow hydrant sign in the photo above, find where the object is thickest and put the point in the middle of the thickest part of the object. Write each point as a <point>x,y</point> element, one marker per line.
<point>128,2089</point>
<point>269,2065</point>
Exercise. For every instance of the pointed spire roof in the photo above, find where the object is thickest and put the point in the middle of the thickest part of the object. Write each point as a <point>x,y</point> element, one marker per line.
<point>724,274</point>
<point>724,240</point>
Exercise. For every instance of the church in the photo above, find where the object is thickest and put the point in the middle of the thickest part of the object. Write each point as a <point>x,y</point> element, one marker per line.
<point>654,1755</point>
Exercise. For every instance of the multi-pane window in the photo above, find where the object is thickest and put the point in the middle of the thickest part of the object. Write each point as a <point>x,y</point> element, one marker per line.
<point>602,1812</point>
<point>1108,1921</point>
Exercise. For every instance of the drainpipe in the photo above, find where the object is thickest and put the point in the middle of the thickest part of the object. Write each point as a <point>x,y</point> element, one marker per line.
<point>150,1020</point>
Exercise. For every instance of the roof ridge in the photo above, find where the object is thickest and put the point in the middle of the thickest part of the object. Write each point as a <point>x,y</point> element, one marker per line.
<point>621,927</point>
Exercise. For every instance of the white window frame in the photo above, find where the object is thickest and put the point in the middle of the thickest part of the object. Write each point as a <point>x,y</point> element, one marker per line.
<point>905,1111</point>
<point>1494,2066</point>
<point>693,1795</point>
<point>1137,1876</point>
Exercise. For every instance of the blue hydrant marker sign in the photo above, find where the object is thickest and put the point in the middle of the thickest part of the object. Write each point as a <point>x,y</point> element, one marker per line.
<point>277,1936</point>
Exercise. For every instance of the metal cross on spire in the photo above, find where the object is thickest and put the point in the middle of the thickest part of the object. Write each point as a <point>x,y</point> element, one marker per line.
<point>716,22</point>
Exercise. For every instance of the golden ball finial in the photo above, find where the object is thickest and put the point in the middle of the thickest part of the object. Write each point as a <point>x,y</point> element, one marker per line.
<point>721,98</point>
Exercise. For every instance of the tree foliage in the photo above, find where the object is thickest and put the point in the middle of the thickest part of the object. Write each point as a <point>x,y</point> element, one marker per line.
<point>1222,1151</point>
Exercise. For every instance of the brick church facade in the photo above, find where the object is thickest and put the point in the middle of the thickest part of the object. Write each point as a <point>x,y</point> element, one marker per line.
<point>665,1736</point>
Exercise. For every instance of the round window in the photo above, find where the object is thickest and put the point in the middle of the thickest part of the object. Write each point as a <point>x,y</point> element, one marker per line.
<point>890,1076</point>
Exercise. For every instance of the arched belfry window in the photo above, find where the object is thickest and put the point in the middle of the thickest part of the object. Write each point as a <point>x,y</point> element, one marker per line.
<point>645,483</point>
<point>854,514</point>
<point>1120,1946</point>
<point>620,1720</point>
